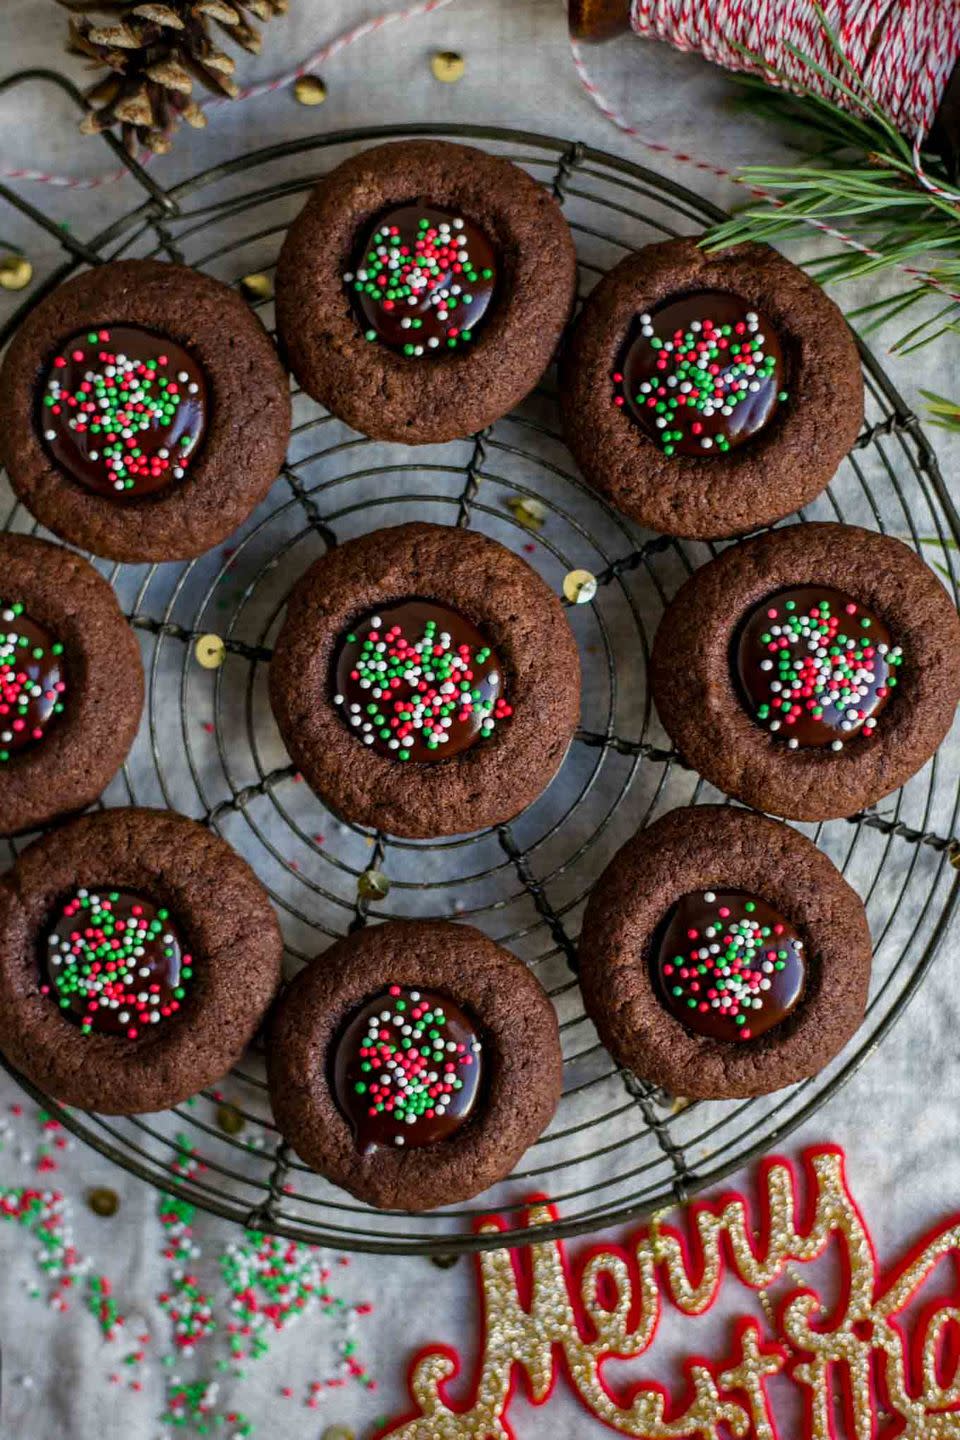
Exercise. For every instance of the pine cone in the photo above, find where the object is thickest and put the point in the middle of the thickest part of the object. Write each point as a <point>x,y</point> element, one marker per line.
<point>154,52</point>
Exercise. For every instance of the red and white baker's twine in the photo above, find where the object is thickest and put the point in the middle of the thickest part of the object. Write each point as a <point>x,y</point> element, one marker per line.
<point>903,51</point>
<point>266,87</point>
<point>880,39</point>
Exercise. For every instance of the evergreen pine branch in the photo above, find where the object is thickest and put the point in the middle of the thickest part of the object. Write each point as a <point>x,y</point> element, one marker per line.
<point>856,175</point>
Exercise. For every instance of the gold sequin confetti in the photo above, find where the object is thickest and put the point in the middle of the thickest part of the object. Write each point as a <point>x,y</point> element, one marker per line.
<point>373,885</point>
<point>257,286</point>
<point>210,651</point>
<point>337,1432</point>
<point>229,1119</point>
<point>448,66</point>
<point>579,586</point>
<point>16,272</point>
<point>527,511</point>
<point>444,1262</point>
<point>310,90</point>
<point>103,1201</point>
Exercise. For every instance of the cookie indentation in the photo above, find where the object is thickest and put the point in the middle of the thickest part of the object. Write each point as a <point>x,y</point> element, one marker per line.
<point>123,410</point>
<point>32,680</point>
<point>418,681</point>
<point>728,965</point>
<point>701,374</point>
<point>115,962</point>
<point>423,281</point>
<point>407,1069</point>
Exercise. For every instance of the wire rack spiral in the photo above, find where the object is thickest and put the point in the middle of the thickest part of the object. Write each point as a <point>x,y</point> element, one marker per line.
<point>209,747</point>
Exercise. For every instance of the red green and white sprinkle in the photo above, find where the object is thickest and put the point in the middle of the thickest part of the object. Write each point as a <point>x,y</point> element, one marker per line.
<point>102,963</point>
<point>410,1064</point>
<point>437,271</point>
<point>269,1283</point>
<point>18,689</point>
<point>837,666</point>
<point>702,371</point>
<point>118,398</point>
<point>728,966</point>
<point>420,687</point>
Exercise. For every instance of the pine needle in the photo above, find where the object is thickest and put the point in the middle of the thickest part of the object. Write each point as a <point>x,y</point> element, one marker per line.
<point>944,413</point>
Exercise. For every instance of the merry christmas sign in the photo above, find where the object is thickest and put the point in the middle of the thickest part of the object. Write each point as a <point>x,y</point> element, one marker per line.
<point>879,1358</point>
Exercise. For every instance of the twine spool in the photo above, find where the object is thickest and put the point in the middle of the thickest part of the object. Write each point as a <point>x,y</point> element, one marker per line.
<point>906,52</point>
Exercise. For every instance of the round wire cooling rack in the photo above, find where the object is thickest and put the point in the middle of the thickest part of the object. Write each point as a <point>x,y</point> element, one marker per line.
<point>208,745</point>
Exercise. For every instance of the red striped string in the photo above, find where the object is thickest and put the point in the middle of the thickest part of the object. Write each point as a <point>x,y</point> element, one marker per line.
<point>901,51</point>
<point>326,52</point>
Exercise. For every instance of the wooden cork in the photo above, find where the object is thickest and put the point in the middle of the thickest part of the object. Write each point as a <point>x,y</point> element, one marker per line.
<point>598,19</point>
